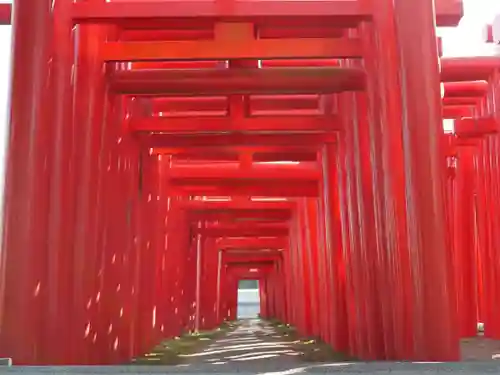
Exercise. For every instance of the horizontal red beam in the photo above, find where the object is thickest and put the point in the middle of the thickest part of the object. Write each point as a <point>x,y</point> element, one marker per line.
<point>225,50</point>
<point>251,243</point>
<point>262,104</point>
<point>156,65</point>
<point>461,101</point>
<point>159,33</point>
<point>215,155</point>
<point>303,31</point>
<point>250,253</point>
<point>475,127</point>
<point>242,212</point>
<point>203,175</point>
<point>466,89</point>
<point>178,105</point>
<point>244,232</point>
<point>155,32</point>
<point>174,105</point>
<point>449,12</point>
<point>251,261</point>
<point>228,124</point>
<point>458,111</point>
<point>244,273</point>
<point>236,149</point>
<point>238,81</point>
<point>228,216</point>
<point>278,188</point>
<point>235,205</point>
<point>233,152</point>
<point>237,139</point>
<point>348,12</point>
<point>5,14</point>
<point>249,269</point>
<point>458,69</point>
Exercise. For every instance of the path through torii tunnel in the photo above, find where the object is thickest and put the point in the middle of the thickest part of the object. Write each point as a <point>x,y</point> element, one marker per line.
<point>161,151</point>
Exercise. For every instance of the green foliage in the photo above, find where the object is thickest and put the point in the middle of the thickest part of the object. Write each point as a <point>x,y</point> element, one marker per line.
<point>248,284</point>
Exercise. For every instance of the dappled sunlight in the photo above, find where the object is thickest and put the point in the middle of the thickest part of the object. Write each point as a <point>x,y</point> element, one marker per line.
<point>252,341</point>
<point>252,354</point>
<point>336,364</point>
<point>254,358</point>
<point>292,371</point>
<point>242,340</point>
<point>244,348</point>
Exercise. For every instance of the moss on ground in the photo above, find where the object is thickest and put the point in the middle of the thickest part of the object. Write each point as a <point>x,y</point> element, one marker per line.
<point>310,349</point>
<point>171,351</point>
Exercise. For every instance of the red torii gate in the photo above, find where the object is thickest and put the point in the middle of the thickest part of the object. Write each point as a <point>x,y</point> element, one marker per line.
<point>92,156</point>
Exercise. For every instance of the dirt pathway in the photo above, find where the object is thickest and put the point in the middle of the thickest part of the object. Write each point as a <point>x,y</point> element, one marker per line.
<point>253,344</point>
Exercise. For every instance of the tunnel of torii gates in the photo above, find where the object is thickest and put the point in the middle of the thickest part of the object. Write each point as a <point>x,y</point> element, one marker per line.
<point>161,151</point>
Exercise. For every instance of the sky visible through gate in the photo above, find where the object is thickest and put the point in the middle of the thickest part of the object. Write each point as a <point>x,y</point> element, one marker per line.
<point>465,40</point>
<point>5,62</point>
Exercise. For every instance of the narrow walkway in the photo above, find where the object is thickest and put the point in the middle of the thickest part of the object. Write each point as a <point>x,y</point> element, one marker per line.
<point>480,349</point>
<point>255,348</point>
<point>254,344</point>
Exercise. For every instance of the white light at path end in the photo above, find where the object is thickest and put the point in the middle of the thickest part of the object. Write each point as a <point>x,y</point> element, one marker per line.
<point>467,38</point>
<point>449,125</point>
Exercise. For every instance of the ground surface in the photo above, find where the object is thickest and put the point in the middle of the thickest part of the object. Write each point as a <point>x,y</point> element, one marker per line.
<point>480,349</point>
<point>254,347</point>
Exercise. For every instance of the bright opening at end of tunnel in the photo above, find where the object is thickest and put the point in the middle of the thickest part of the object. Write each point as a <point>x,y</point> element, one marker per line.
<point>248,299</point>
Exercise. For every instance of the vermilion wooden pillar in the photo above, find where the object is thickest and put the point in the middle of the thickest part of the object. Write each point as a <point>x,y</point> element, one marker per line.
<point>316,263</point>
<point>388,181</point>
<point>311,278</point>
<point>491,322</point>
<point>288,314</point>
<point>494,143</point>
<point>189,280</point>
<point>275,303</point>
<point>491,172</point>
<point>125,191</point>
<point>133,175</point>
<point>209,284</point>
<point>484,236</point>
<point>435,334</point>
<point>465,252</point>
<point>264,299</point>
<point>273,293</point>
<point>145,260</point>
<point>89,122</point>
<point>24,252</point>
<point>231,296</point>
<point>334,248</point>
<point>175,245</point>
<point>294,291</point>
<point>350,247</point>
<point>58,323</point>
<point>110,230</point>
<point>323,270</point>
<point>358,138</point>
<point>282,273</point>
<point>303,273</point>
<point>223,292</point>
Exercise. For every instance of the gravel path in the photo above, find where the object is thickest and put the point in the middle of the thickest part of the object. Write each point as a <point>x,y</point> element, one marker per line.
<point>253,344</point>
